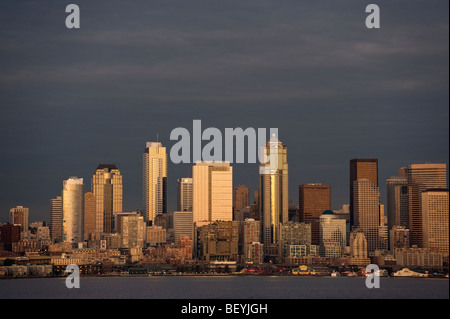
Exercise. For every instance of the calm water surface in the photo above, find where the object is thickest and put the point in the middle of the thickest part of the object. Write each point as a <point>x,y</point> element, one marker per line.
<point>225,288</point>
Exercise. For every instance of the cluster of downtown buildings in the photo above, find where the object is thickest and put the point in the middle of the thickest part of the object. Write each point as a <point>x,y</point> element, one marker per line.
<point>216,227</point>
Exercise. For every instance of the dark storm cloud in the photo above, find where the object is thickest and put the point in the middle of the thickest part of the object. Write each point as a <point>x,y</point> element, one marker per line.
<point>335,90</point>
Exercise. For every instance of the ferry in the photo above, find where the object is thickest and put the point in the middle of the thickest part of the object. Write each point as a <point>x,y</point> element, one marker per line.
<point>304,271</point>
<point>405,272</point>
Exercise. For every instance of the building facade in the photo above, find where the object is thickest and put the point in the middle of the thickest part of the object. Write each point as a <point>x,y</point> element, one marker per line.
<point>313,200</point>
<point>73,210</point>
<point>213,192</point>
<point>435,226</point>
<point>107,189</point>
<point>154,180</point>
<point>184,194</point>
<point>273,195</point>
<point>420,178</point>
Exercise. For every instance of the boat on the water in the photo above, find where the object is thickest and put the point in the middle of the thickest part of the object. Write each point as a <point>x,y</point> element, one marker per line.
<point>405,272</point>
<point>304,271</point>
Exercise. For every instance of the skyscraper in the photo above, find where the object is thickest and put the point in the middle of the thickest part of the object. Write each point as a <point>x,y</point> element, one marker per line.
<point>73,210</point>
<point>89,216</point>
<point>332,235</point>
<point>366,211</point>
<point>361,168</point>
<point>19,216</point>
<point>108,192</point>
<point>56,219</point>
<point>313,200</point>
<point>251,234</point>
<point>154,180</point>
<point>184,195</point>
<point>131,227</point>
<point>182,224</point>
<point>435,226</point>
<point>397,201</point>
<point>241,197</point>
<point>213,191</point>
<point>420,178</point>
<point>274,200</point>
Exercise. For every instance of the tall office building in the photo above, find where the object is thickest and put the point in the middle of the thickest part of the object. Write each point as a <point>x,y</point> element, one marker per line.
<point>19,216</point>
<point>361,168</point>
<point>184,195</point>
<point>9,234</point>
<point>182,224</point>
<point>398,237</point>
<point>131,227</point>
<point>273,191</point>
<point>366,211</point>
<point>218,241</point>
<point>213,191</point>
<point>73,210</point>
<point>154,180</point>
<point>89,216</point>
<point>435,213</point>
<point>294,234</point>
<point>108,192</point>
<point>332,235</point>
<point>397,201</point>
<point>56,219</point>
<point>251,234</point>
<point>420,178</point>
<point>241,197</point>
<point>313,200</point>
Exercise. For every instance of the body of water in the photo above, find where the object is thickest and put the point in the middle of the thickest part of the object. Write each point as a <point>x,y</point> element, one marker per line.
<point>226,287</point>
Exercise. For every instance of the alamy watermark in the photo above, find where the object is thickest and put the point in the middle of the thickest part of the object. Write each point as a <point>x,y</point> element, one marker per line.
<point>373,276</point>
<point>217,145</point>
<point>73,279</point>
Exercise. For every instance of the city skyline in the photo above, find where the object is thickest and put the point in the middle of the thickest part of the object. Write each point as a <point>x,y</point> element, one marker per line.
<point>334,89</point>
<point>173,205</point>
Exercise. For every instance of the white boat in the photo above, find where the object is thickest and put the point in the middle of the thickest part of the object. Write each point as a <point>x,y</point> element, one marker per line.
<point>335,274</point>
<point>405,272</point>
<point>379,273</point>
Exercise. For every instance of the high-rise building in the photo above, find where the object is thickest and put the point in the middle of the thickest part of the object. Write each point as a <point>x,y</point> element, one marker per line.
<point>108,192</point>
<point>154,180</point>
<point>184,194</point>
<point>213,191</point>
<point>182,224</point>
<point>358,248</point>
<point>294,234</point>
<point>9,234</point>
<point>314,199</point>
<point>56,219</point>
<point>435,213</point>
<point>251,234</point>
<point>397,201</point>
<point>398,237</point>
<point>155,235</point>
<point>366,209</point>
<point>73,210</point>
<point>361,168</point>
<point>241,197</point>
<point>19,216</point>
<point>132,229</point>
<point>332,235</point>
<point>218,241</point>
<point>89,216</point>
<point>420,178</point>
<point>274,192</point>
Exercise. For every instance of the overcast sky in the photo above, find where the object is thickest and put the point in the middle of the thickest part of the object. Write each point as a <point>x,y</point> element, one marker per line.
<point>73,98</point>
